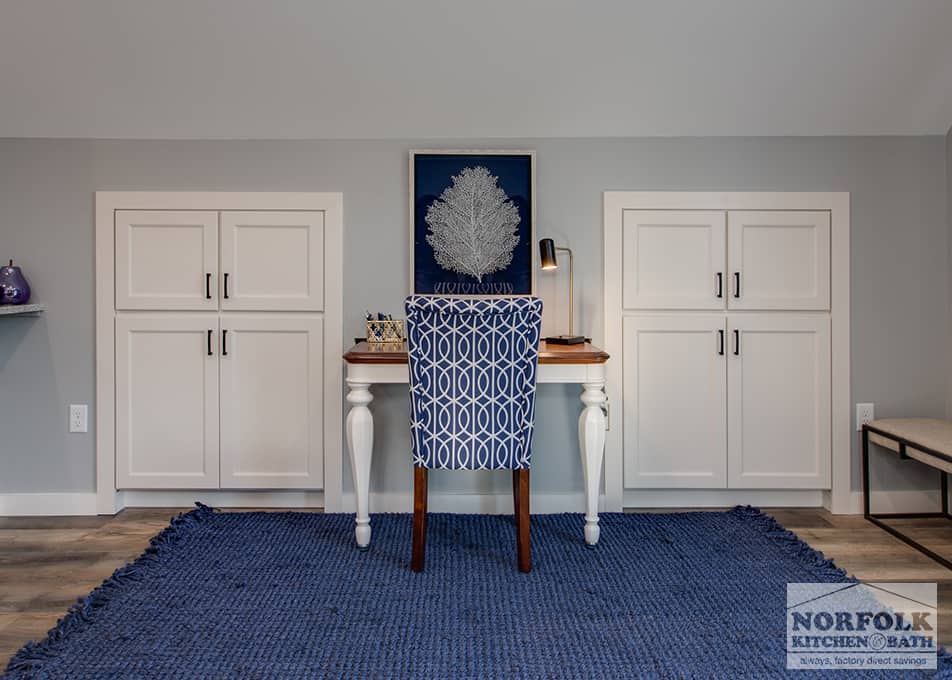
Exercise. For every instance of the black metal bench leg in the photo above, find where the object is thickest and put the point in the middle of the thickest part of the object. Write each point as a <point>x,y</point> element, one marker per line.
<point>945,492</point>
<point>865,472</point>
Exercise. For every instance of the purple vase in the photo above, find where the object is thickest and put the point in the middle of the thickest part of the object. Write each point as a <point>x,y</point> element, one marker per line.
<point>14,289</point>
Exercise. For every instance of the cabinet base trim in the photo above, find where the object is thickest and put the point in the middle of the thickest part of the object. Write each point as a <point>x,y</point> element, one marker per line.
<point>721,498</point>
<point>221,499</point>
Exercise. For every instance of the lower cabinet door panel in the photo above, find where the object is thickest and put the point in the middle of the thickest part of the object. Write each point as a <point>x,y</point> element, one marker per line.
<point>271,401</point>
<point>779,402</point>
<point>166,401</point>
<point>675,420</point>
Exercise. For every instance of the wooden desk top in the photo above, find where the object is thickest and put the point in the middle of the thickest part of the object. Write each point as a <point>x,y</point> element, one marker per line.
<point>394,353</point>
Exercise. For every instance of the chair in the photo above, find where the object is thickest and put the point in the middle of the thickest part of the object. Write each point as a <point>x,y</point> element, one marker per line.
<point>472,396</point>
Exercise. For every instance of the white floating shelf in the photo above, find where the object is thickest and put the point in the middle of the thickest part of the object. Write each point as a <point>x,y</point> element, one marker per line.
<point>15,310</point>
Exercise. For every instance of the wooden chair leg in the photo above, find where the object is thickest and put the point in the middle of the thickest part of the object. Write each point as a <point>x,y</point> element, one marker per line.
<point>419,518</point>
<point>520,497</point>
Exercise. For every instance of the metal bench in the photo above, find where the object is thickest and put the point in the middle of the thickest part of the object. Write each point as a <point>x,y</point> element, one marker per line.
<point>926,440</point>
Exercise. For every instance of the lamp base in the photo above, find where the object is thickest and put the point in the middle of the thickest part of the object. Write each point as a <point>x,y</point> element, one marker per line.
<point>565,340</point>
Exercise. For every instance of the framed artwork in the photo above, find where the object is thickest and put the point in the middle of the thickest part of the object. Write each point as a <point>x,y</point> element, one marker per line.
<point>472,222</point>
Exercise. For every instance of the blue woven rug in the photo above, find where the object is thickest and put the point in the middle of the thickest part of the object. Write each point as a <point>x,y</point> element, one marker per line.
<point>286,595</point>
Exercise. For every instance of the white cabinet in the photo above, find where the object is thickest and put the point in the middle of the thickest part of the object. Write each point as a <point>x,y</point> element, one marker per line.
<point>675,383</point>
<point>167,401</point>
<point>272,261</point>
<point>779,259</point>
<point>737,401</point>
<point>716,259</point>
<point>231,401</point>
<point>169,260</point>
<point>779,402</point>
<point>721,321</point>
<point>674,259</point>
<point>223,362</point>
<point>271,401</point>
<point>166,259</point>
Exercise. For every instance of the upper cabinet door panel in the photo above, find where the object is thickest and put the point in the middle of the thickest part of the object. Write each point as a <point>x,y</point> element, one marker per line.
<point>272,261</point>
<point>166,259</point>
<point>674,259</point>
<point>779,259</point>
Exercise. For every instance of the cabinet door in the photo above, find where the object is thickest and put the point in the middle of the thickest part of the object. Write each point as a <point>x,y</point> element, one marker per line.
<point>166,259</point>
<point>271,405</point>
<point>675,402</point>
<point>272,261</point>
<point>674,259</point>
<point>167,401</point>
<point>779,402</point>
<point>779,259</point>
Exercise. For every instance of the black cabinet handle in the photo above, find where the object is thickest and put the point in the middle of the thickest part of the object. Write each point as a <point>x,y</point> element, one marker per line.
<point>209,342</point>
<point>720,284</point>
<point>226,285</point>
<point>720,342</point>
<point>736,343</point>
<point>208,286</point>
<point>736,284</point>
<point>224,343</point>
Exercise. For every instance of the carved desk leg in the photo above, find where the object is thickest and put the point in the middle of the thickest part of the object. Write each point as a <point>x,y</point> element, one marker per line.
<point>360,443</point>
<point>591,434</point>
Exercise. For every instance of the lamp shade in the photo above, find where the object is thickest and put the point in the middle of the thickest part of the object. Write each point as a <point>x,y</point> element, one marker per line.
<point>547,253</point>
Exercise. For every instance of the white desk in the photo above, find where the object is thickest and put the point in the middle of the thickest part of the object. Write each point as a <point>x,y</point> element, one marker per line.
<point>370,364</point>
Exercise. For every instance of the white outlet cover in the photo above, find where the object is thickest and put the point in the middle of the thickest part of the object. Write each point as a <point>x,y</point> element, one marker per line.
<point>78,418</point>
<point>864,413</point>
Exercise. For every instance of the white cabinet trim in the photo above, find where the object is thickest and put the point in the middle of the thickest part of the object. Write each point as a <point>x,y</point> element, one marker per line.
<point>838,203</point>
<point>108,500</point>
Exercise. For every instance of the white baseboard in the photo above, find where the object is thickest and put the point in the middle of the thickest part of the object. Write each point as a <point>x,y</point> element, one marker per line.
<point>221,499</point>
<point>47,504</point>
<point>80,504</point>
<point>721,498</point>
<point>912,500</point>
<point>474,503</point>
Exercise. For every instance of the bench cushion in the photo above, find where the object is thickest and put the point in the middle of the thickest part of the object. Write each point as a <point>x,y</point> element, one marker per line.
<point>932,433</point>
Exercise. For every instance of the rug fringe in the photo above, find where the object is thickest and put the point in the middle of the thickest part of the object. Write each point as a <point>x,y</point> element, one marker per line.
<point>33,655</point>
<point>817,562</point>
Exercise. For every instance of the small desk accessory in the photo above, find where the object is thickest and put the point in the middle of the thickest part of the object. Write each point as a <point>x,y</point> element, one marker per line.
<point>384,328</point>
<point>547,250</point>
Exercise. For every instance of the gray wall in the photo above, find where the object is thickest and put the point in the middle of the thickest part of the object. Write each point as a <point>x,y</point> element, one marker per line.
<point>900,264</point>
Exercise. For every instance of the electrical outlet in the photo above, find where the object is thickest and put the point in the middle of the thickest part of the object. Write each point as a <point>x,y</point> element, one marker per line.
<point>78,418</point>
<point>864,415</point>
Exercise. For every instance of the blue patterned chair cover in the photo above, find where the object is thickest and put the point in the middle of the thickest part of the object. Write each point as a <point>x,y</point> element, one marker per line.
<point>472,381</point>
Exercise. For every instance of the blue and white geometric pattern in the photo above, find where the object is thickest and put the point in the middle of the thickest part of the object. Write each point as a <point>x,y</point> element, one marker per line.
<point>472,381</point>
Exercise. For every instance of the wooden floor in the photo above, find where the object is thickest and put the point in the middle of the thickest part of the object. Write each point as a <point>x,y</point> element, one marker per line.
<point>47,563</point>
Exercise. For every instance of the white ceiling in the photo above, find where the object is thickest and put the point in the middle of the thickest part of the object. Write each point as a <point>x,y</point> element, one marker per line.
<point>481,68</point>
